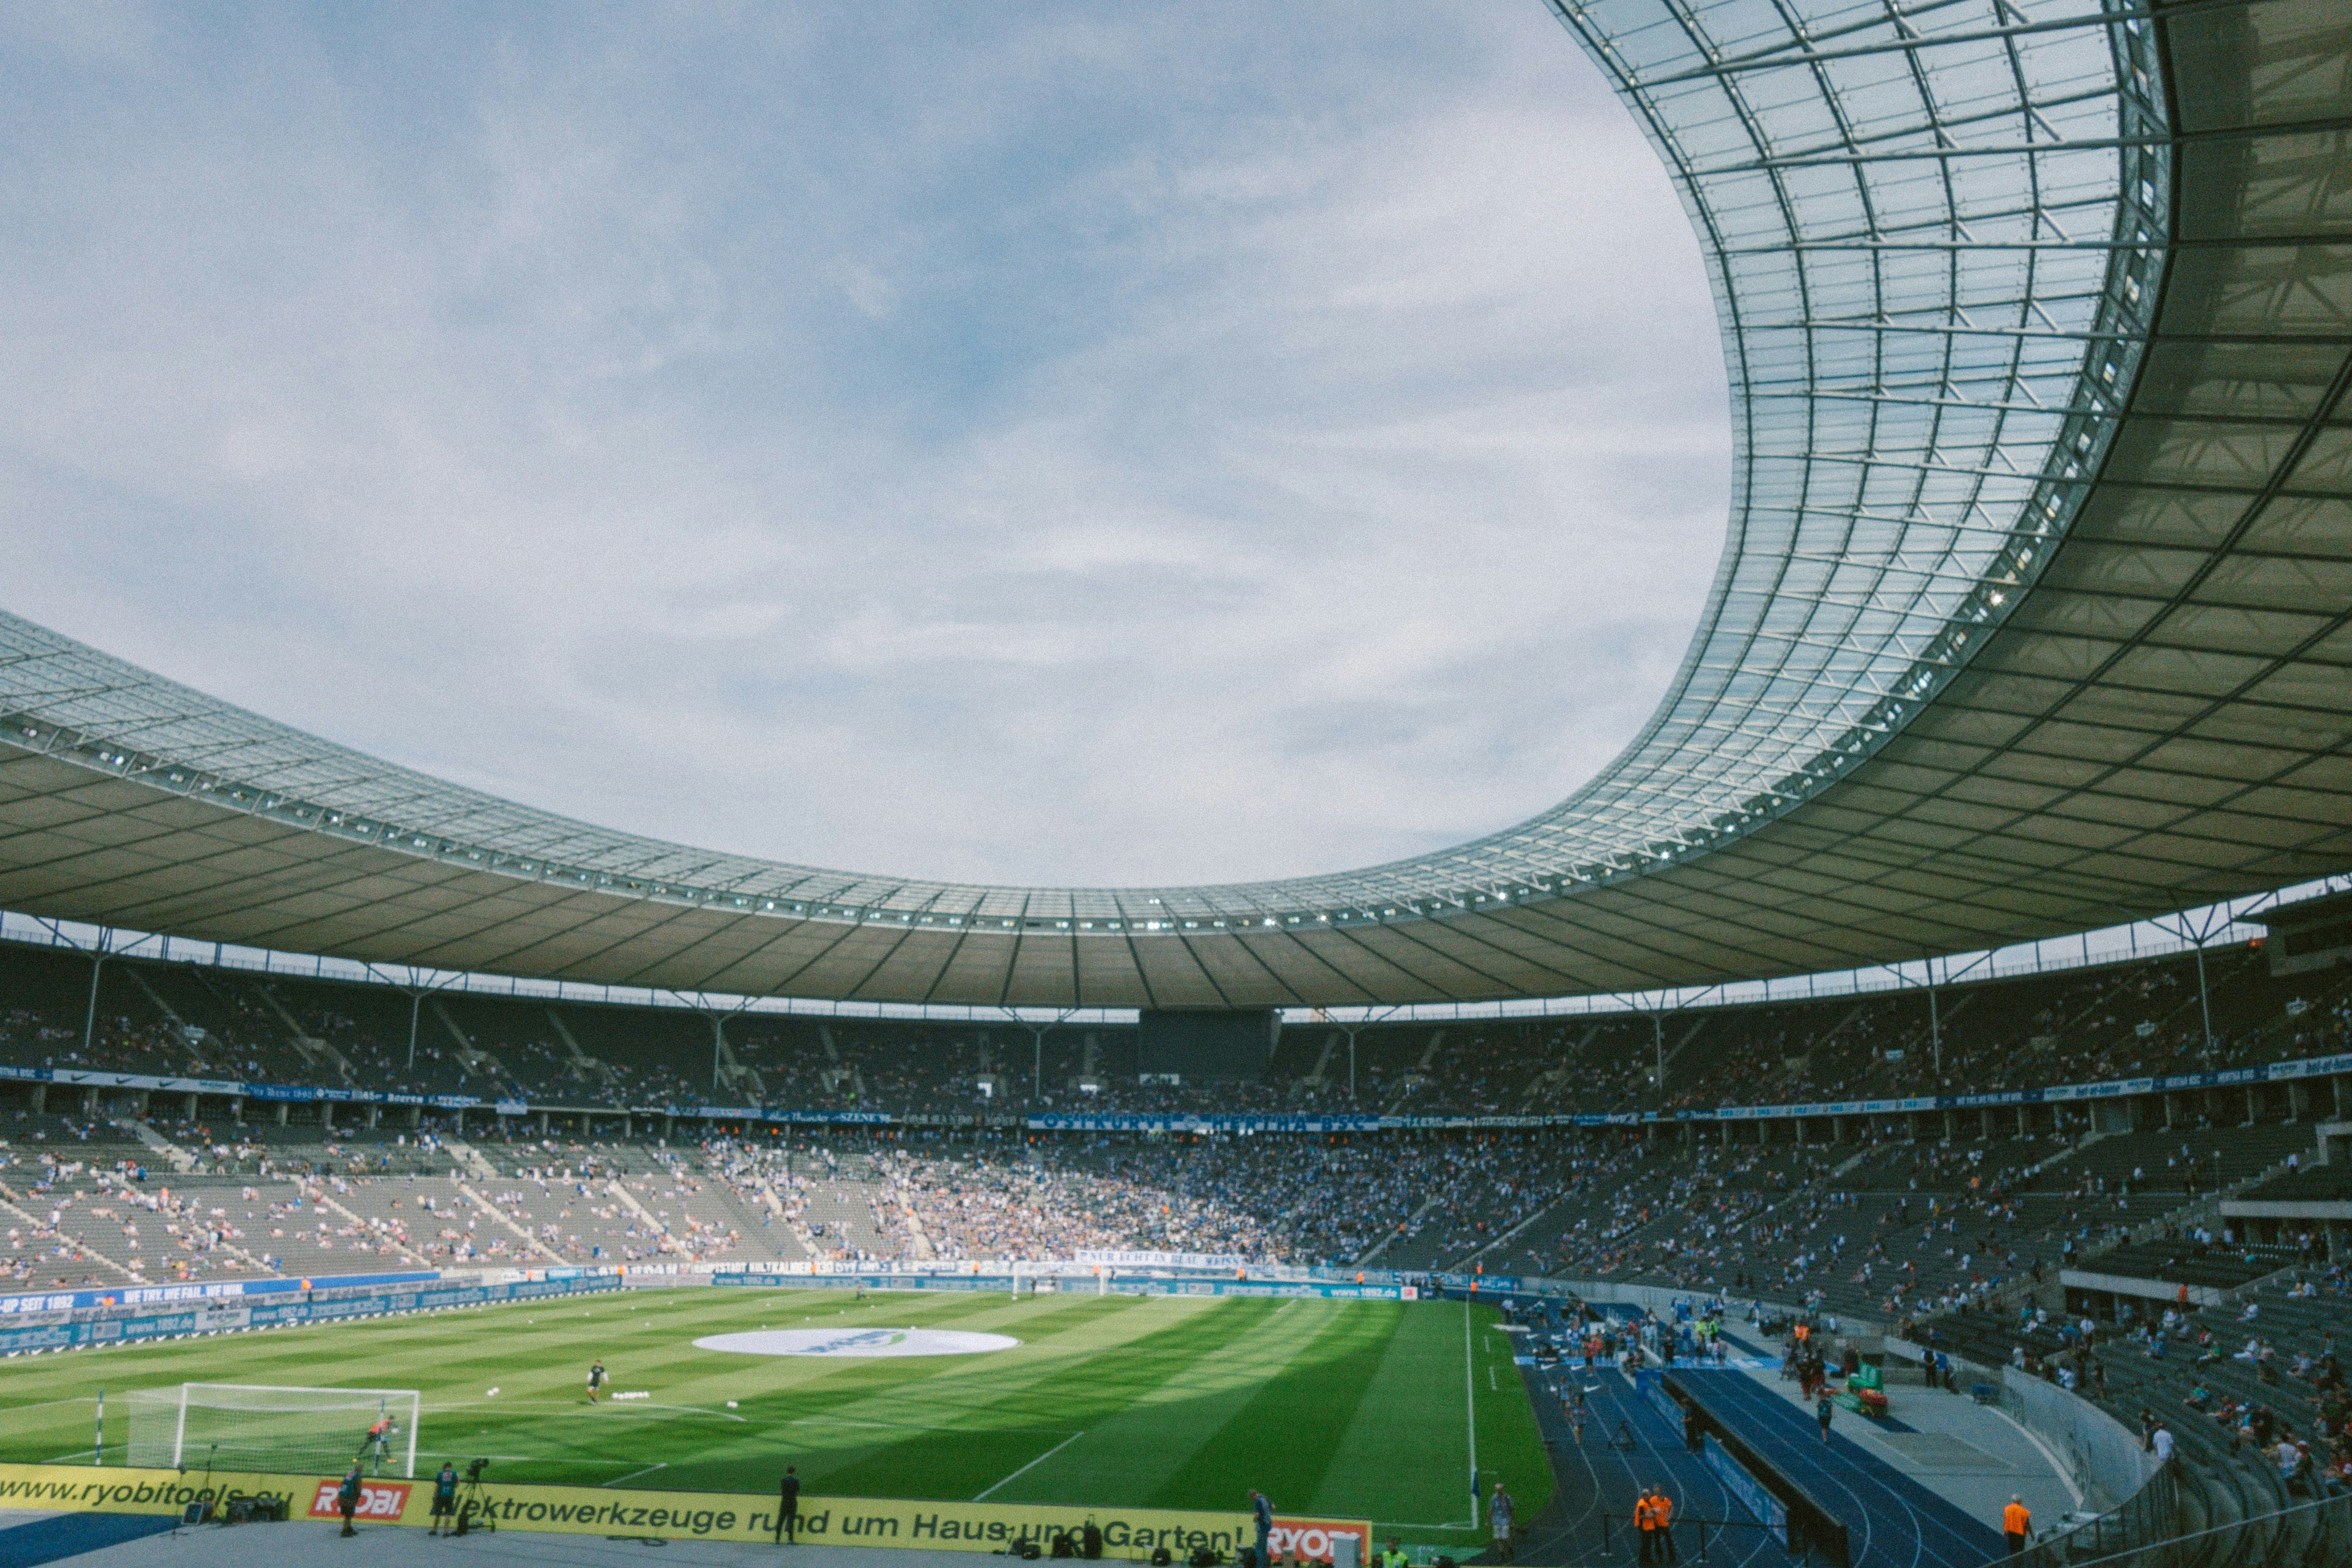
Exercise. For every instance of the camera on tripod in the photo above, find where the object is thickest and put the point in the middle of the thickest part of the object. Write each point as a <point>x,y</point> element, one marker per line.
<point>473,1509</point>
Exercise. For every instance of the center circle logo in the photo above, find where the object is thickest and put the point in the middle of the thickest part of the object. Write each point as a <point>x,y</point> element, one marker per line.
<point>857,1342</point>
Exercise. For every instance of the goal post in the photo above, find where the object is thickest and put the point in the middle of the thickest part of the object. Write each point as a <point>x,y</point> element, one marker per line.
<point>274,1428</point>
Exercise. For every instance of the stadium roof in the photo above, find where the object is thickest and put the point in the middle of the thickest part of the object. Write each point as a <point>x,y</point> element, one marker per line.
<point>2032,616</point>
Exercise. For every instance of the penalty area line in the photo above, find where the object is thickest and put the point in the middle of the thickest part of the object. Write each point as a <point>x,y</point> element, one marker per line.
<point>632,1475</point>
<point>1032,1465</point>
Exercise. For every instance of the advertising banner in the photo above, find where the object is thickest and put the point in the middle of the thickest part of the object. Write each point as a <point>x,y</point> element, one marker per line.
<point>379,1500</point>
<point>677,1516</point>
<point>1651,1386</point>
<point>1311,1538</point>
<point>1226,1122</point>
<point>163,1294</point>
<point>1770,1511</point>
<point>283,1309</point>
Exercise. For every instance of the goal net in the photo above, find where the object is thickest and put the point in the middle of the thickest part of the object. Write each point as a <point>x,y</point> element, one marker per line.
<point>286,1431</point>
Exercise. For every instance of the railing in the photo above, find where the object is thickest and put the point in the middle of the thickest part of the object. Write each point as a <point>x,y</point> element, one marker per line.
<point>2243,1544</point>
<point>2150,1515</point>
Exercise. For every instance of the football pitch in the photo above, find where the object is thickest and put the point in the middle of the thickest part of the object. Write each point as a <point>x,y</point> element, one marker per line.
<point>1335,1409</point>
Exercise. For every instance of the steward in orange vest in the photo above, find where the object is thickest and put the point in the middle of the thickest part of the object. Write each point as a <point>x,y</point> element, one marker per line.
<point>2017,1523</point>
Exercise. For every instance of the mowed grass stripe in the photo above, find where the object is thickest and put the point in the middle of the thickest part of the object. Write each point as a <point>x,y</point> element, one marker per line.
<point>1283,1437</point>
<point>1405,1453</point>
<point>778,1397</point>
<point>1052,1400</point>
<point>1167,1416</point>
<point>1511,1443</point>
<point>1404,1461</point>
<point>826,1414</point>
<point>646,1338</point>
<point>934,1390</point>
<point>918,1426</point>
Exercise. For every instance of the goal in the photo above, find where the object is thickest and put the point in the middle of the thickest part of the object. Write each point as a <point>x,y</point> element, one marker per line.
<point>273,1429</point>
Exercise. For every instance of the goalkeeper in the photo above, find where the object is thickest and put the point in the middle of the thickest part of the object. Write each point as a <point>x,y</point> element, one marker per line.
<point>595,1381</point>
<point>377,1444</point>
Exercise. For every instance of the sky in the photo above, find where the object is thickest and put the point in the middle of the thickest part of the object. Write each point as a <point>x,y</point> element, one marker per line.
<point>1054,444</point>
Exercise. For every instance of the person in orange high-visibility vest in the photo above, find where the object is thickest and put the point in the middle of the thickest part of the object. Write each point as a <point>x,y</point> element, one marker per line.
<point>2017,1523</point>
<point>1647,1524</point>
<point>1661,1514</point>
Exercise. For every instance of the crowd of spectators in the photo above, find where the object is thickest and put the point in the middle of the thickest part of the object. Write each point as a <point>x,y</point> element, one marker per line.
<point>2075,1025</point>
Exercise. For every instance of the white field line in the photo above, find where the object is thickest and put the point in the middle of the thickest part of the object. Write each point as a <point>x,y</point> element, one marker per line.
<point>632,1475</point>
<point>565,1407</point>
<point>828,1420</point>
<point>1470,1391</point>
<point>1032,1465</point>
<point>422,1455</point>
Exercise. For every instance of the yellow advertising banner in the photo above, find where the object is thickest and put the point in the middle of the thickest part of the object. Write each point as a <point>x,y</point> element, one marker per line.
<point>1127,1533</point>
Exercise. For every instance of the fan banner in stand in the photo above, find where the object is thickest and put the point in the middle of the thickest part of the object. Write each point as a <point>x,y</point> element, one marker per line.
<point>680,1516</point>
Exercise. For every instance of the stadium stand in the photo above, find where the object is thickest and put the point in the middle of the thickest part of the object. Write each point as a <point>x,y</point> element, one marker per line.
<point>2089,1024</point>
<point>1989,1233</point>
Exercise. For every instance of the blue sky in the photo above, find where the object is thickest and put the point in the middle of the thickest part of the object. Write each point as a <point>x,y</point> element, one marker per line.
<point>1051,443</point>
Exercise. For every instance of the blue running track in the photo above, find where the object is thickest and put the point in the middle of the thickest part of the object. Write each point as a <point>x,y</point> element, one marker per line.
<point>1604,1474</point>
<point>1891,1521</point>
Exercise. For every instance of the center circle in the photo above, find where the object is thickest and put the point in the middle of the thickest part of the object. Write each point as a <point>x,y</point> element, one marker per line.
<point>857,1342</point>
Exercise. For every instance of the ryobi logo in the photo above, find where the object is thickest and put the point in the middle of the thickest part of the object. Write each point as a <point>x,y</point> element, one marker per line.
<point>1311,1538</point>
<point>378,1500</point>
<point>857,1342</point>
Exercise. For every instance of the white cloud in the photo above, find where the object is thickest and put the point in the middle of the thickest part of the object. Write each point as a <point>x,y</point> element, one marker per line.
<point>1066,447</point>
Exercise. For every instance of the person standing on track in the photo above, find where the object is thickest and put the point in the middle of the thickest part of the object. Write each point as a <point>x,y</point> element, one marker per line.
<point>1662,1513</point>
<point>1822,1410</point>
<point>788,1507</point>
<point>347,1497</point>
<point>2017,1523</point>
<point>1262,1517</point>
<point>445,1496</point>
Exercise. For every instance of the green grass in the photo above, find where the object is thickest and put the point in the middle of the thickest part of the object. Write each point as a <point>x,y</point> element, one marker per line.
<point>1349,1409</point>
